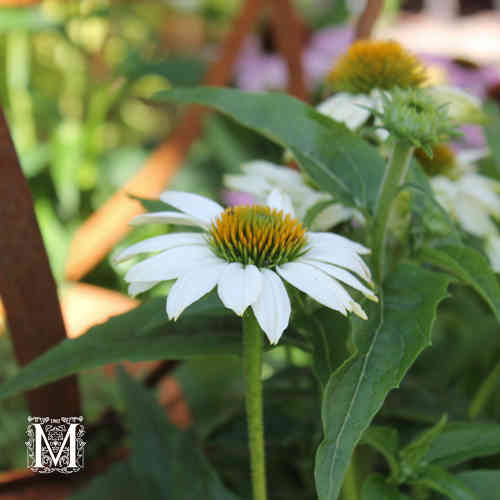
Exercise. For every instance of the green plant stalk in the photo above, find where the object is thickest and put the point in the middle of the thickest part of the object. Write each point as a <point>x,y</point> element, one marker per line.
<point>350,489</point>
<point>252,363</point>
<point>394,176</point>
<point>484,392</point>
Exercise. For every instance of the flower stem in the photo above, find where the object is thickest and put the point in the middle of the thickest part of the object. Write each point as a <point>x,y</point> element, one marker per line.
<point>486,389</point>
<point>394,176</point>
<point>350,488</point>
<point>252,362</point>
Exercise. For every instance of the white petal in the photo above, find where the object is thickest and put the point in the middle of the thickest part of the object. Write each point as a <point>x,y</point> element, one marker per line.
<point>347,108</point>
<point>492,248</point>
<point>342,275</point>
<point>138,287</point>
<point>247,183</point>
<point>163,242</point>
<point>340,257</point>
<point>170,264</point>
<point>473,217</point>
<point>358,310</point>
<point>272,308</point>
<point>239,286</point>
<point>317,285</point>
<point>275,175</point>
<point>167,218</point>
<point>280,201</point>
<point>193,204</point>
<point>331,216</point>
<point>336,241</point>
<point>192,286</point>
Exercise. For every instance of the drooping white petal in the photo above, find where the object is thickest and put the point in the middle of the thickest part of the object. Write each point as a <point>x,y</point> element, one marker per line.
<point>347,108</point>
<point>280,201</point>
<point>191,286</point>
<point>239,286</point>
<point>336,241</point>
<point>483,190</point>
<point>275,175</point>
<point>317,285</point>
<point>272,307</point>
<point>473,217</point>
<point>168,218</point>
<point>332,215</point>
<point>342,275</point>
<point>247,183</point>
<point>349,260</point>
<point>170,264</point>
<point>138,287</point>
<point>193,204</point>
<point>492,248</point>
<point>157,243</point>
<point>358,310</point>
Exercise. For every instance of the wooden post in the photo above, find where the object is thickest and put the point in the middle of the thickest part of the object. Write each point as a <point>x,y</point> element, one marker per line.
<point>368,18</point>
<point>27,287</point>
<point>289,34</point>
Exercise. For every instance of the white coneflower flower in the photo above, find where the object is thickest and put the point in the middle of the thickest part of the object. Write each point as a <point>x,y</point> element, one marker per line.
<point>247,252</point>
<point>260,178</point>
<point>473,200</point>
<point>371,69</point>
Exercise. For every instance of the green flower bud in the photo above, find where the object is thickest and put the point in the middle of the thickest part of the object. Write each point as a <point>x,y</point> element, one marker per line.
<point>414,115</point>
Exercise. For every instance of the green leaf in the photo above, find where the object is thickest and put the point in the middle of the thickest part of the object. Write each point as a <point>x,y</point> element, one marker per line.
<point>413,454</point>
<point>166,463</point>
<point>336,159</point>
<point>329,334</point>
<point>152,205</point>
<point>170,459</point>
<point>386,441</point>
<point>470,267</point>
<point>388,343</point>
<point>484,483</point>
<point>439,480</point>
<point>492,130</point>
<point>377,488</point>
<point>462,441</point>
<point>118,481</point>
<point>179,70</point>
<point>144,333</point>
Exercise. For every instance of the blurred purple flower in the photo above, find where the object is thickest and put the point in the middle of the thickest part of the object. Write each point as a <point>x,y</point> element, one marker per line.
<point>474,79</point>
<point>258,70</point>
<point>468,76</point>
<point>235,198</point>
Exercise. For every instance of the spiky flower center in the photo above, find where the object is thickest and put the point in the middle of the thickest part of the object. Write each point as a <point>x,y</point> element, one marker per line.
<point>440,163</point>
<point>383,65</point>
<point>257,235</point>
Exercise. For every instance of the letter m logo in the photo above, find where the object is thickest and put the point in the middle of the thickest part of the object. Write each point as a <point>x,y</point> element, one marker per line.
<point>55,444</point>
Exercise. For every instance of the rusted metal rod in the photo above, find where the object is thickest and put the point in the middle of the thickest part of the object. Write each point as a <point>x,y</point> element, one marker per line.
<point>27,287</point>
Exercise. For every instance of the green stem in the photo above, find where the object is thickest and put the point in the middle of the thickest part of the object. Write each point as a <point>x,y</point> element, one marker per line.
<point>484,392</point>
<point>252,362</point>
<point>350,490</point>
<point>394,176</point>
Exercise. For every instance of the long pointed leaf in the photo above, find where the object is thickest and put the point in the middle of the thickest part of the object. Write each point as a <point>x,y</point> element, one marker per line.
<point>389,342</point>
<point>336,159</point>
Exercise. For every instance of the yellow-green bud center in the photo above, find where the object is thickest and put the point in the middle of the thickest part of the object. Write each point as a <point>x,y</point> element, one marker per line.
<point>257,235</point>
